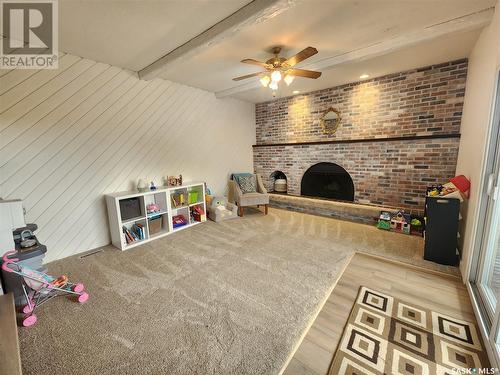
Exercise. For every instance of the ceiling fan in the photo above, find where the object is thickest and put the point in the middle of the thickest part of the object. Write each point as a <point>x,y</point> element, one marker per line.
<point>278,67</point>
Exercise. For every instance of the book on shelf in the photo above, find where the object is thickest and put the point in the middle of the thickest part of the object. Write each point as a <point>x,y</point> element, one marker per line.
<point>141,231</point>
<point>128,235</point>
<point>178,200</point>
<point>138,230</point>
<point>135,233</point>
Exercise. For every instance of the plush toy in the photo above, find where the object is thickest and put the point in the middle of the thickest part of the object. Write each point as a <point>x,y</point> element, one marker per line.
<point>152,207</point>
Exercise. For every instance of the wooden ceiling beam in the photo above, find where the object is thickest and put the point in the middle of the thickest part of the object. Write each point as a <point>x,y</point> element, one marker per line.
<point>253,13</point>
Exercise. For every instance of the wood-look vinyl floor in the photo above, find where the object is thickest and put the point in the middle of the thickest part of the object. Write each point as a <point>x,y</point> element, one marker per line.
<point>444,293</point>
<point>10,363</point>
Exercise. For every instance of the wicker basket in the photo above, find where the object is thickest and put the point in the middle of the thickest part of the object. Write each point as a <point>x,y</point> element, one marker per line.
<point>155,225</point>
<point>280,185</point>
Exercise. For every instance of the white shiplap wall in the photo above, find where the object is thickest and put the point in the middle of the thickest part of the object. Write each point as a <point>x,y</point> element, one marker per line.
<point>71,135</point>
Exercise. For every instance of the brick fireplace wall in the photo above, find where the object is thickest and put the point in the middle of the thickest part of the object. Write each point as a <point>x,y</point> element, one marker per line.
<point>399,133</point>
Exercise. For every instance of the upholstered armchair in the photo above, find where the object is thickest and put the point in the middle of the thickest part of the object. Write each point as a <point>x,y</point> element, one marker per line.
<point>242,195</point>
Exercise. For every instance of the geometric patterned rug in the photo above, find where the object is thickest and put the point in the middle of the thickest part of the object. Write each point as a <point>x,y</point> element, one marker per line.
<point>385,335</point>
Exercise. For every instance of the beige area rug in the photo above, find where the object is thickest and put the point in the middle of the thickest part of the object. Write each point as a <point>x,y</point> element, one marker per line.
<point>385,335</point>
<point>228,298</point>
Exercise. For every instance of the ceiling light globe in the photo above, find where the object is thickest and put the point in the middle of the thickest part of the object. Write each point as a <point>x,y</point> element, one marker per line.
<point>273,85</point>
<point>289,79</point>
<point>276,76</point>
<point>264,81</point>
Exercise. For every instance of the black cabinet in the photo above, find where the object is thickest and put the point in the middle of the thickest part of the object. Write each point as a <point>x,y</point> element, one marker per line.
<point>441,230</point>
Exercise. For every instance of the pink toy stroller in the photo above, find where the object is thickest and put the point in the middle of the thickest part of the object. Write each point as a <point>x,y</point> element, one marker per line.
<point>38,287</point>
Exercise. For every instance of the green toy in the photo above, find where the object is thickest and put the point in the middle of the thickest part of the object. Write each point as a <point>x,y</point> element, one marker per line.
<point>384,220</point>
<point>415,222</point>
<point>382,224</point>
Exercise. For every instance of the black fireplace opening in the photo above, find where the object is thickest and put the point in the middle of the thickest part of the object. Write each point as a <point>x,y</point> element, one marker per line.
<point>327,180</point>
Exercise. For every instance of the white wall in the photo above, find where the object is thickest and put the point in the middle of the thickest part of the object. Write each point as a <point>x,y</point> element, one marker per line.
<point>69,136</point>
<point>484,62</point>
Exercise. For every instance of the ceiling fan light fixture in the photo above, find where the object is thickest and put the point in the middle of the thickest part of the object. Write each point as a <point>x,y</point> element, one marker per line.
<point>276,76</point>
<point>280,68</point>
<point>264,81</point>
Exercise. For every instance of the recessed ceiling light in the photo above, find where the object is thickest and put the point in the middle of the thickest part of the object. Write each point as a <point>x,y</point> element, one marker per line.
<point>364,76</point>
<point>296,91</point>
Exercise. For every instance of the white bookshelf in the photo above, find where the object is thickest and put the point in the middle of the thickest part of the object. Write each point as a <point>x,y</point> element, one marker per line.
<point>168,209</point>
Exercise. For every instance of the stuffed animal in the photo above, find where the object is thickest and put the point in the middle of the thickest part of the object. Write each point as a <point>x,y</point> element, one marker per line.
<point>152,207</point>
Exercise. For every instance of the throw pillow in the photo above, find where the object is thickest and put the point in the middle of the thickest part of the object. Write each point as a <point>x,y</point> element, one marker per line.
<point>247,184</point>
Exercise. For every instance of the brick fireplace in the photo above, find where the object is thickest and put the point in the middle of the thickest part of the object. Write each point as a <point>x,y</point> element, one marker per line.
<point>399,133</point>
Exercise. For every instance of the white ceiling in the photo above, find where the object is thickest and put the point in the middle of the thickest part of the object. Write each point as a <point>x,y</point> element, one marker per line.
<point>451,47</point>
<point>133,34</point>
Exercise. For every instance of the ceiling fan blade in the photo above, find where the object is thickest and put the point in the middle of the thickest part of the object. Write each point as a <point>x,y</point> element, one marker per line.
<point>303,73</point>
<point>248,76</point>
<point>255,62</point>
<point>301,56</point>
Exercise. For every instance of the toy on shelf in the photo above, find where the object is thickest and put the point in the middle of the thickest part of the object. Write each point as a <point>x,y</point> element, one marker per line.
<point>38,287</point>
<point>416,225</point>
<point>220,209</point>
<point>197,213</point>
<point>152,208</point>
<point>174,181</point>
<point>384,220</point>
<point>457,188</point>
<point>208,199</point>
<point>401,222</point>
<point>462,183</point>
<point>141,185</point>
<point>179,221</point>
